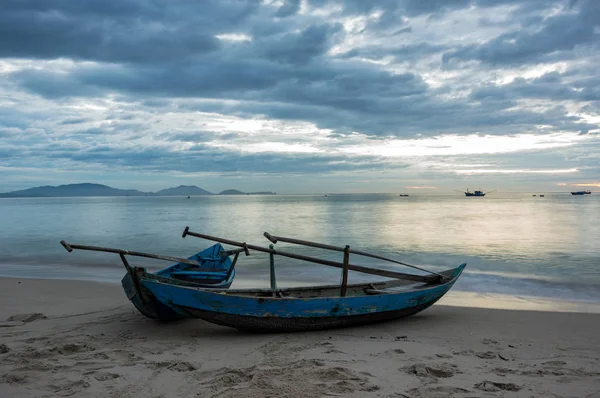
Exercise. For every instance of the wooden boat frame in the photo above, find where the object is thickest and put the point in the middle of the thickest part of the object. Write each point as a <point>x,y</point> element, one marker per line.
<point>307,308</point>
<point>304,308</point>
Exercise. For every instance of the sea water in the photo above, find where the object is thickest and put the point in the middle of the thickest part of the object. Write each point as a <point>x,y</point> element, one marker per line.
<point>519,249</point>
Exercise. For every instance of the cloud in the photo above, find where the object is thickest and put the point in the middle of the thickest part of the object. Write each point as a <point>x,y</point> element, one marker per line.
<point>313,87</point>
<point>74,121</point>
<point>515,171</point>
<point>541,42</point>
<point>290,7</point>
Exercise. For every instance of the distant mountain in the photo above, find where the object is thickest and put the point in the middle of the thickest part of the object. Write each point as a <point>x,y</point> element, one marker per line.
<point>236,192</point>
<point>85,189</point>
<point>183,190</point>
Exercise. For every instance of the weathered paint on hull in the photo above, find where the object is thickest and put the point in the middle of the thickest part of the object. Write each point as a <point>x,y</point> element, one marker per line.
<point>145,302</point>
<point>293,314</point>
<point>273,324</point>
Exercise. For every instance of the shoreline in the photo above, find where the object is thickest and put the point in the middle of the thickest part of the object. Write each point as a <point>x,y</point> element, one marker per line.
<point>455,297</point>
<point>91,342</point>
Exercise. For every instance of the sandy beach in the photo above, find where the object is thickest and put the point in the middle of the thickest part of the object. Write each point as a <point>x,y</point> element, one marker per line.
<point>84,339</point>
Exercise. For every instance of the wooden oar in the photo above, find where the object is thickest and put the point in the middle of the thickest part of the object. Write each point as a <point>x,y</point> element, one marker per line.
<point>275,239</point>
<point>70,248</point>
<point>357,268</point>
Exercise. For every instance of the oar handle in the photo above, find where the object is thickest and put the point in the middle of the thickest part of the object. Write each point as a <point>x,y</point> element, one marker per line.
<point>270,237</point>
<point>243,245</point>
<point>66,246</point>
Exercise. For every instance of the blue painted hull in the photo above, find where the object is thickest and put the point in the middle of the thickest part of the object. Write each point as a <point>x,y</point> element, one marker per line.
<point>178,275</point>
<point>247,310</point>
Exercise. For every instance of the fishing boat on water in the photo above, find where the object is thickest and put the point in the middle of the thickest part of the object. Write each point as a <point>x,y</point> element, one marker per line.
<point>581,193</point>
<point>211,267</point>
<point>475,193</point>
<point>306,308</point>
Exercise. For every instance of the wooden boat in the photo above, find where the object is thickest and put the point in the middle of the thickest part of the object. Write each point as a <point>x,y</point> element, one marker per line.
<point>578,193</point>
<point>478,193</point>
<point>211,267</point>
<point>307,308</point>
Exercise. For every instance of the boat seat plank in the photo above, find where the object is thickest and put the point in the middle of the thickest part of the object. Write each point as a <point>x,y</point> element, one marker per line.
<point>376,291</point>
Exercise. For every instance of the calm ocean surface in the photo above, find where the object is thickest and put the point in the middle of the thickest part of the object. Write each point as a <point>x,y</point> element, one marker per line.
<point>515,245</point>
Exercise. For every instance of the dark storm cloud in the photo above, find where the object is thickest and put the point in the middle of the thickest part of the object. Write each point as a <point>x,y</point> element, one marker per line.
<point>161,58</point>
<point>547,41</point>
<point>196,136</point>
<point>135,31</point>
<point>200,158</point>
<point>552,86</point>
<point>151,49</point>
<point>302,47</point>
<point>407,7</point>
<point>409,52</point>
<point>74,121</point>
<point>290,7</point>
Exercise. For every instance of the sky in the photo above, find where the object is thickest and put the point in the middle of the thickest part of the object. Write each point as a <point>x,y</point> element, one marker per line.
<point>301,96</point>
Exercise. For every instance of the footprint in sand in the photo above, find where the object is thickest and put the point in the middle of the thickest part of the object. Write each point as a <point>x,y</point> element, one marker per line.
<point>422,370</point>
<point>26,317</point>
<point>228,377</point>
<point>4,349</point>
<point>554,363</point>
<point>296,379</point>
<point>104,376</point>
<point>435,392</point>
<point>464,352</point>
<point>13,378</point>
<point>489,341</point>
<point>492,386</point>
<point>176,366</point>
<point>74,348</point>
<point>485,355</point>
<point>69,387</point>
<point>506,357</point>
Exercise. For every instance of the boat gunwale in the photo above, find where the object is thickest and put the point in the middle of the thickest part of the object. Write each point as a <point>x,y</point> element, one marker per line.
<point>255,293</point>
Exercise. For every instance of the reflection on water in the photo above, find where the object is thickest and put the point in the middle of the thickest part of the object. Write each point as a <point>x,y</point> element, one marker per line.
<point>523,303</point>
<point>511,236</point>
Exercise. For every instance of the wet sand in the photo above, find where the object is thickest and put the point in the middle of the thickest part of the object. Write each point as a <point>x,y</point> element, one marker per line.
<point>84,339</point>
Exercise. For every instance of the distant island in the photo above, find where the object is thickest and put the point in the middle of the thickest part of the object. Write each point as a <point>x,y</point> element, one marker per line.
<point>236,192</point>
<point>88,189</point>
<point>183,190</point>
